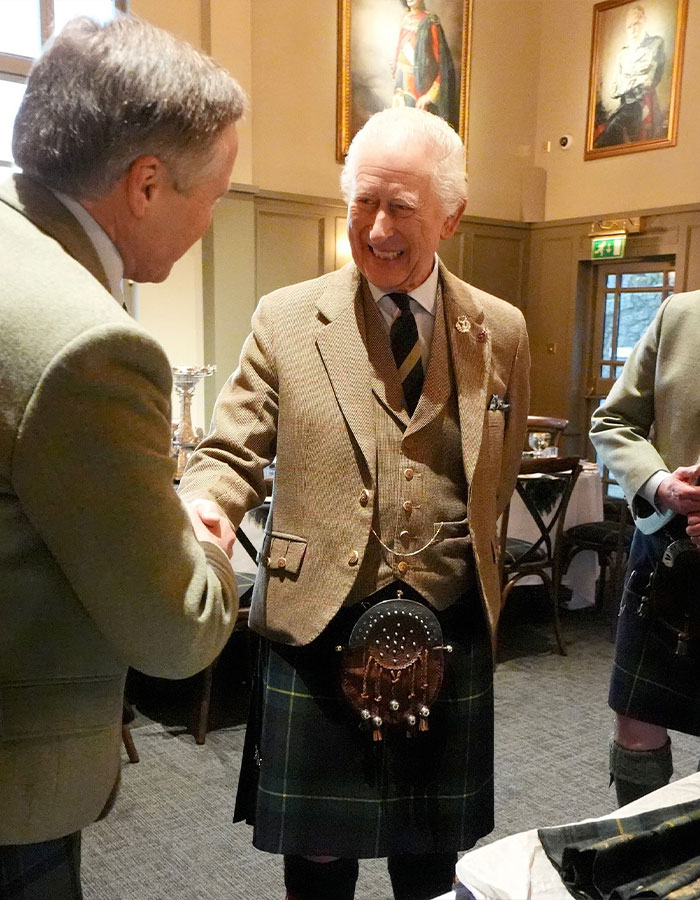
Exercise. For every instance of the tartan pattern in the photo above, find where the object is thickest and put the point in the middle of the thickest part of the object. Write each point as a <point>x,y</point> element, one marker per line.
<point>651,854</point>
<point>649,681</point>
<point>49,870</point>
<point>325,788</point>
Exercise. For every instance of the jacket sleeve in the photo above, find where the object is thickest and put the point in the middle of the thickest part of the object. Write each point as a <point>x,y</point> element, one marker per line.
<point>620,427</point>
<point>92,470</point>
<point>228,465</point>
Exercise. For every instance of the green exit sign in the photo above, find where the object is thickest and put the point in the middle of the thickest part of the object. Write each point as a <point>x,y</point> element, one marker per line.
<point>611,247</point>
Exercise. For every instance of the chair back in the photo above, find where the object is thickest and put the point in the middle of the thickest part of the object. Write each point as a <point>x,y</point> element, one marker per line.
<point>547,424</point>
<point>545,486</point>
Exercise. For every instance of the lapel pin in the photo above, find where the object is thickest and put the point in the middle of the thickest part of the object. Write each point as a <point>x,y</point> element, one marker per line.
<point>463,324</point>
<point>482,336</point>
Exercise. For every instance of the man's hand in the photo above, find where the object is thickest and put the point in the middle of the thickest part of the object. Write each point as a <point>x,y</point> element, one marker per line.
<point>680,493</point>
<point>210,523</point>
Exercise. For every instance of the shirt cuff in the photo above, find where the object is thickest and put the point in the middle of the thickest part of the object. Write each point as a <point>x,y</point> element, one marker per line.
<point>650,487</point>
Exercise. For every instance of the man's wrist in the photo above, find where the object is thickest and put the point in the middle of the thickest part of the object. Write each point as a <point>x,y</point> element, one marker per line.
<point>650,489</point>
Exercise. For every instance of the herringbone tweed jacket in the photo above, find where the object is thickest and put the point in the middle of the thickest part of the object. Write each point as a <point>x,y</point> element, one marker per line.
<point>303,392</point>
<point>99,566</point>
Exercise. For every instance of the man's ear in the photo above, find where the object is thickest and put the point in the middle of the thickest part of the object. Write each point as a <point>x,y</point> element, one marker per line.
<point>144,177</point>
<point>449,226</point>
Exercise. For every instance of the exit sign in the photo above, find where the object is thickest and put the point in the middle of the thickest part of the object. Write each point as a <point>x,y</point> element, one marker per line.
<point>611,247</point>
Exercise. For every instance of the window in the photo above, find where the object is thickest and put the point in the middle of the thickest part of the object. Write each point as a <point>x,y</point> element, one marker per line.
<point>627,298</point>
<point>25,25</point>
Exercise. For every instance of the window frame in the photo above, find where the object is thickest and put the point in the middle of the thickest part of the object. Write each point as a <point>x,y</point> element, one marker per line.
<point>600,387</point>
<point>16,68</point>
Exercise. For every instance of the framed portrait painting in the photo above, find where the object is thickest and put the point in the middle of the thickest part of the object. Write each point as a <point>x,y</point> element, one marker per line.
<point>402,53</point>
<point>634,90</point>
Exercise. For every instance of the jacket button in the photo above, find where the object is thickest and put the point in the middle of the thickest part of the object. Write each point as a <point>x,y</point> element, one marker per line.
<point>402,567</point>
<point>408,506</point>
<point>281,562</point>
<point>353,558</point>
<point>408,474</point>
<point>266,560</point>
<point>364,498</point>
<point>405,537</point>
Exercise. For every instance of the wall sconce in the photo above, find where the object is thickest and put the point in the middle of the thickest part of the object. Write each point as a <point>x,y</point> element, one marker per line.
<point>343,254</point>
<point>609,236</point>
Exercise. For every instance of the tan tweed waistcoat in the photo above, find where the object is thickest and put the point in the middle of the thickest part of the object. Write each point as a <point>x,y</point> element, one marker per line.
<point>420,517</point>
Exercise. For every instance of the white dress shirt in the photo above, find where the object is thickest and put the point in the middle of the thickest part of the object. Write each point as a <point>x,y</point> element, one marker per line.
<point>422,305</point>
<point>105,249</point>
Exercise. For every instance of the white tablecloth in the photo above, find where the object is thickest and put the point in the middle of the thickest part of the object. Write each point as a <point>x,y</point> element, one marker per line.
<point>517,867</point>
<point>585,505</point>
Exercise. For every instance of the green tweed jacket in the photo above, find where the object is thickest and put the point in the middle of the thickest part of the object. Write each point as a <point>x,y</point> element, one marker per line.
<point>303,392</point>
<point>650,420</point>
<point>99,566</point>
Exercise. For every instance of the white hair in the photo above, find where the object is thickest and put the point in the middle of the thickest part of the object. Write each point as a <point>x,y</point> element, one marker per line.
<point>401,127</point>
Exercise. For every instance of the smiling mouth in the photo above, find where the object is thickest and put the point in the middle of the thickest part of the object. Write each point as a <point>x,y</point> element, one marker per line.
<point>386,255</point>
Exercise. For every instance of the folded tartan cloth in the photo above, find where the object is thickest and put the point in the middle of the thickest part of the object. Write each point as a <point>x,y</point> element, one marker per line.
<point>644,857</point>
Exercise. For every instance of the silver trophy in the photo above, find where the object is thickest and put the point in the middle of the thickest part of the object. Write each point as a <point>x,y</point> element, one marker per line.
<point>185,438</point>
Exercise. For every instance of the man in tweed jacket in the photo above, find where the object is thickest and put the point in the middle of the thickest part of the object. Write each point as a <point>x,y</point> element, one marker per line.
<point>100,566</point>
<point>645,432</point>
<point>372,496</point>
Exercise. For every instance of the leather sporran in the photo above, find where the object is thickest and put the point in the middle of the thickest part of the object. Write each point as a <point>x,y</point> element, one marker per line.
<point>392,668</point>
<point>671,593</point>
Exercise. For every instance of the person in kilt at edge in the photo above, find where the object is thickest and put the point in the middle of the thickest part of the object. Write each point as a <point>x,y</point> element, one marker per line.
<point>645,433</point>
<point>395,398</point>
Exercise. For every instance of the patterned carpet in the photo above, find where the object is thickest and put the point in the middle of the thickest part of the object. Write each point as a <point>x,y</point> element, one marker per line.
<point>170,836</point>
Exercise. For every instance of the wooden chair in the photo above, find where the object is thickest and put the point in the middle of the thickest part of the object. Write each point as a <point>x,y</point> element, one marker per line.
<point>551,426</point>
<point>545,486</point>
<point>610,539</point>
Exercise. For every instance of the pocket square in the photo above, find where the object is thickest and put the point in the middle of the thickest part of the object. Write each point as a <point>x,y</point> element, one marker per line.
<point>497,404</point>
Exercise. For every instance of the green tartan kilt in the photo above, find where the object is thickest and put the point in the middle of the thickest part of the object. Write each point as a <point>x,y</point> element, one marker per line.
<point>650,681</point>
<point>313,782</point>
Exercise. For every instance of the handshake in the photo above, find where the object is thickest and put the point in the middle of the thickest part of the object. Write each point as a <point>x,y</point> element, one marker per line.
<point>210,523</point>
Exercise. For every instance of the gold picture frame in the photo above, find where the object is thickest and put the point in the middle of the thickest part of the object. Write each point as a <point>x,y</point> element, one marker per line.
<point>372,69</point>
<point>635,76</point>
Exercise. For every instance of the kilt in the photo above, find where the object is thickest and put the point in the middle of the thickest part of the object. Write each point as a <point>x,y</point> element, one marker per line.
<point>650,681</point>
<point>314,783</point>
<point>49,870</point>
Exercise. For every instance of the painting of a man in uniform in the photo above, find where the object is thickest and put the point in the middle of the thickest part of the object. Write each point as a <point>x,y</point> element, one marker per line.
<point>424,73</point>
<point>402,53</point>
<point>634,75</point>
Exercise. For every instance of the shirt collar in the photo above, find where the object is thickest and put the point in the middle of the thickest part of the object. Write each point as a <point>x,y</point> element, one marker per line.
<point>424,294</point>
<point>105,249</point>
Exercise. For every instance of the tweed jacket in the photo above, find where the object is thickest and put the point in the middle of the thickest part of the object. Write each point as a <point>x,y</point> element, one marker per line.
<point>304,392</point>
<point>99,566</point>
<point>657,388</point>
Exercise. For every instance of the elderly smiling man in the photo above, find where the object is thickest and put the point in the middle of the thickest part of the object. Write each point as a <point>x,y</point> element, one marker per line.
<point>394,397</point>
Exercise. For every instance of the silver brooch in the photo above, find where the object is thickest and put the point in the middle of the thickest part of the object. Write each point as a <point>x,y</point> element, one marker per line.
<point>463,324</point>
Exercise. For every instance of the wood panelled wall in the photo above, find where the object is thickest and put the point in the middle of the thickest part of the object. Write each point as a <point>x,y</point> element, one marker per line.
<point>262,241</point>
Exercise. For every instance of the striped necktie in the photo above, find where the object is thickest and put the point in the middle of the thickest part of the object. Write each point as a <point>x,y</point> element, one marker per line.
<point>406,350</point>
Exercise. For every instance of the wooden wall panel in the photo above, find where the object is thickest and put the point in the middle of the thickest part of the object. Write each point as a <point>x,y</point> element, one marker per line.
<point>497,264</point>
<point>289,248</point>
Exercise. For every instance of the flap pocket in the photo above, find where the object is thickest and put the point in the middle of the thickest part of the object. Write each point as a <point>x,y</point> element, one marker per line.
<point>283,552</point>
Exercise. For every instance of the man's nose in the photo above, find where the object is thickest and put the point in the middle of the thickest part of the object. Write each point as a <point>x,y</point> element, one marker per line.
<point>382,227</point>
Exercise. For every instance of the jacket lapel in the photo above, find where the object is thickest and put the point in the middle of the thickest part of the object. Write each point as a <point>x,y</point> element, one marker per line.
<point>438,384</point>
<point>470,348</point>
<point>342,345</point>
<point>384,377</point>
<point>41,207</point>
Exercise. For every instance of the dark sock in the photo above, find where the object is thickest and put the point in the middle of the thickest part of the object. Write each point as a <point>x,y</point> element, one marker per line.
<point>420,876</point>
<point>639,772</point>
<point>309,880</point>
